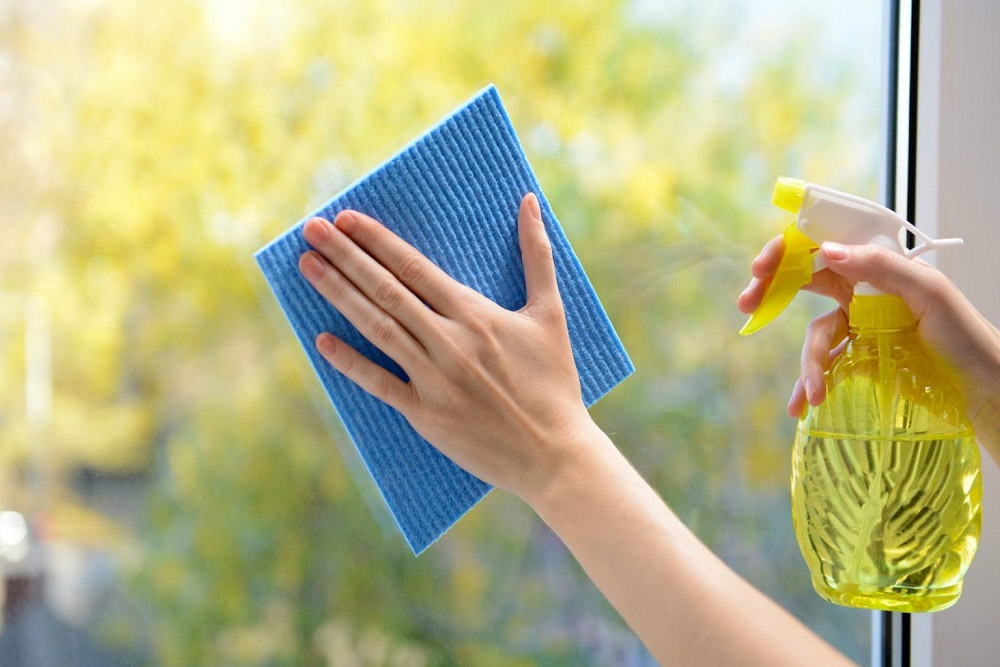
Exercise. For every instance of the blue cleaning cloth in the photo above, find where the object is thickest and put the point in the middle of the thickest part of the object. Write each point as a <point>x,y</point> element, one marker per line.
<point>454,194</point>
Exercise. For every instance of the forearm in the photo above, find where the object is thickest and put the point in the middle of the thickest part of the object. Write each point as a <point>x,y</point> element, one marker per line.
<point>684,603</point>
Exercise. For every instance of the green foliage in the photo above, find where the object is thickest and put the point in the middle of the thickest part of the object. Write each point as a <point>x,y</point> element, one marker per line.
<point>162,143</point>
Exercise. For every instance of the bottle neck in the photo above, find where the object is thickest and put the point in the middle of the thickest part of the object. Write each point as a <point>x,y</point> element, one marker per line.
<point>879,312</point>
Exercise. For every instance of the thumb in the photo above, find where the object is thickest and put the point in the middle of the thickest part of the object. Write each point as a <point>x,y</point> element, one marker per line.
<point>883,269</point>
<point>536,253</point>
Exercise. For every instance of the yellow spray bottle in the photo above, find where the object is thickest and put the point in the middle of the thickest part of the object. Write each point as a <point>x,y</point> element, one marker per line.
<point>886,485</point>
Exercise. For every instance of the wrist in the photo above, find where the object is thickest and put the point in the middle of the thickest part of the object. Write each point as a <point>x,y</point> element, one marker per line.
<point>985,418</point>
<point>572,457</point>
<point>981,388</point>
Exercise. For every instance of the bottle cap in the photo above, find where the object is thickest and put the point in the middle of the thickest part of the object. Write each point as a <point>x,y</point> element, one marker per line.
<point>789,193</point>
<point>879,312</point>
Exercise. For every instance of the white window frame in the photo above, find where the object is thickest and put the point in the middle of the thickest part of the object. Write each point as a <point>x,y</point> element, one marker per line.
<point>945,169</point>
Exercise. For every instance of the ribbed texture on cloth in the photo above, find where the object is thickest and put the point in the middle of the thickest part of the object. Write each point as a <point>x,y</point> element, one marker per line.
<point>454,194</point>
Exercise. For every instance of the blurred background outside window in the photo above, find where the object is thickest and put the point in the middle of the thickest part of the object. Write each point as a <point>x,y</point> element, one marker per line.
<point>174,488</point>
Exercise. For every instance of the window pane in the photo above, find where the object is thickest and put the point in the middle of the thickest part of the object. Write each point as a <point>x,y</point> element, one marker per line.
<point>178,489</point>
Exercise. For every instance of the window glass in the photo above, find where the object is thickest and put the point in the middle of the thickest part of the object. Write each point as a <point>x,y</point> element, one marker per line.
<point>174,487</point>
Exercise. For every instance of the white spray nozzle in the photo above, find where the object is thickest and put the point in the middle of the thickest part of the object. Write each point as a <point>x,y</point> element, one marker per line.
<point>831,215</point>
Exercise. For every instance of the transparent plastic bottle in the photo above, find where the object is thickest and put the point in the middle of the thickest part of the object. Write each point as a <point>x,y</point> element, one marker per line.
<point>886,485</point>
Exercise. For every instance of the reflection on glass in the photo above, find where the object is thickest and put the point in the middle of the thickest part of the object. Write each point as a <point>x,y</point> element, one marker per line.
<point>186,496</point>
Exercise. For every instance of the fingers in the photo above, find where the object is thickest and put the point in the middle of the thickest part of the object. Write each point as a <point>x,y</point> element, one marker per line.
<point>828,283</point>
<point>886,271</point>
<point>823,335</point>
<point>368,375</point>
<point>766,263</point>
<point>751,297</point>
<point>797,401</point>
<point>434,287</point>
<point>384,331</point>
<point>825,282</point>
<point>762,268</point>
<point>536,255</point>
<point>817,356</point>
<point>371,278</point>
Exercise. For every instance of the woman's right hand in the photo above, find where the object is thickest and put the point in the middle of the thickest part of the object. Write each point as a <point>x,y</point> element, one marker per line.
<point>496,391</point>
<point>950,327</point>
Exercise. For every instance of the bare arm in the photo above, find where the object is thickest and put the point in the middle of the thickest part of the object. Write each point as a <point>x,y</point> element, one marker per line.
<point>533,436</point>
<point>685,604</point>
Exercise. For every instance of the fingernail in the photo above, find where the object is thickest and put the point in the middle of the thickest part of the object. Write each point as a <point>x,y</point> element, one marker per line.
<point>834,251</point>
<point>533,205</point>
<point>346,222</point>
<point>325,345</point>
<point>311,267</point>
<point>810,388</point>
<point>316,231</point>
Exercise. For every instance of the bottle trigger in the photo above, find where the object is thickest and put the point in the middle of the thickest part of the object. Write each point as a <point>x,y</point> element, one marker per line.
<point>794,271</point>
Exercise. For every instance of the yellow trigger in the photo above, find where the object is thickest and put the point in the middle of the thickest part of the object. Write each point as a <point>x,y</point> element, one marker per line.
<point>794,272</point>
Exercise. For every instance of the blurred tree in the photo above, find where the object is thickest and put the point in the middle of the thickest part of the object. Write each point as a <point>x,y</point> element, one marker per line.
<point>158,145</point>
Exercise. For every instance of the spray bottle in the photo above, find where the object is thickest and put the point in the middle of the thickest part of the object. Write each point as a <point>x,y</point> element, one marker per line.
<point>886,485</point>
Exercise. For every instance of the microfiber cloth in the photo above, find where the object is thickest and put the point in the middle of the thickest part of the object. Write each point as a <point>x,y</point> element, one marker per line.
<point>454,194</point>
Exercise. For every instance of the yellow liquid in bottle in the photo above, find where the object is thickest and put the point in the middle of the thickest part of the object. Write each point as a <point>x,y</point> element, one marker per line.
<point>886,484</point>
<point>887,524</point>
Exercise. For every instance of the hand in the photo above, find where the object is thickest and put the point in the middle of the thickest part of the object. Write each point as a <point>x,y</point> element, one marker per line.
<point>496,391</point>
<point>950,327</point>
